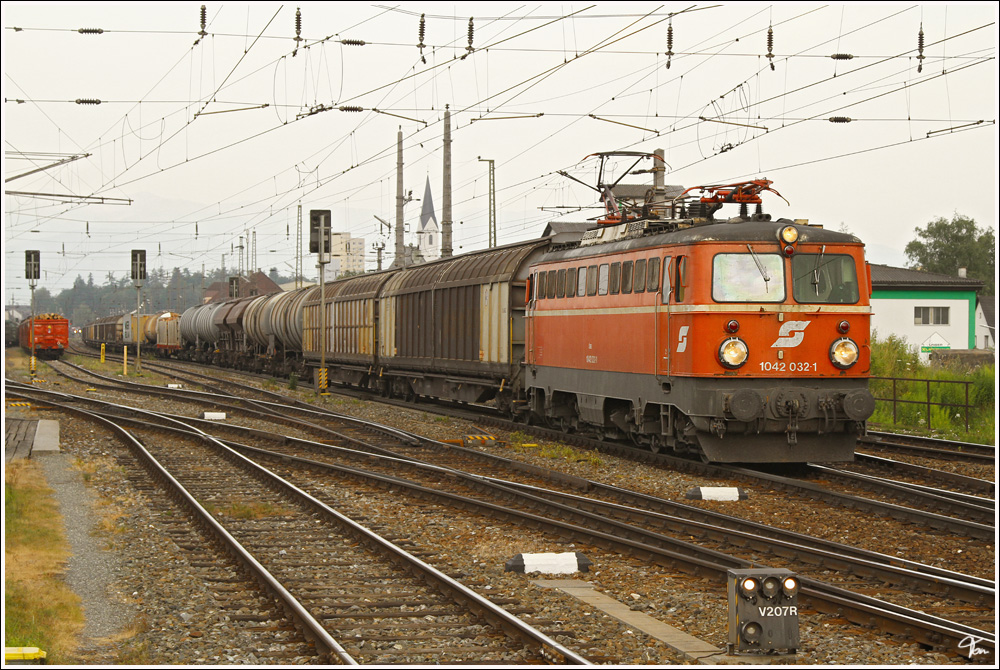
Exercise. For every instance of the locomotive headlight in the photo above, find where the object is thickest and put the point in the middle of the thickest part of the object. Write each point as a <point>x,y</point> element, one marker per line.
<point>844,353</point>
<point>788,235</point>
<point>733,353</point>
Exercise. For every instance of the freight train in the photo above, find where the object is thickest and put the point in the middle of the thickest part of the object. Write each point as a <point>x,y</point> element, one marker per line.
<point>49,333</point>
<point>736,340</point>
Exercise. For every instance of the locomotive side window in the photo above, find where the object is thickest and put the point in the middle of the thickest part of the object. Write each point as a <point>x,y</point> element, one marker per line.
<point>824,278</point>
<point>616,278</point>
<point>640,274</point>
<point>540,286</point>
<point>680,279</point>
<point>627,277</point>
<point>550,284</point>
<point>602,279</point>
<point>571,282</point>
<point>561,284</point>
<point>749,277</point>
<point>653,275</point>
<point>592,280</point>
<point>581,282</point>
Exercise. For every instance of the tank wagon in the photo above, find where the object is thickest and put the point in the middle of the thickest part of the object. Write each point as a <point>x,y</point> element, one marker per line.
<point>740,339</point>
<point>49,333</point>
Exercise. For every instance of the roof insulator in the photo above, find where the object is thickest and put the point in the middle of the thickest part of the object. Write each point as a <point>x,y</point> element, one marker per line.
<point>842,56</point>
<point>91,31</point>
<point>840,119</point>
<point>353,43</point>
<point>88,101</point>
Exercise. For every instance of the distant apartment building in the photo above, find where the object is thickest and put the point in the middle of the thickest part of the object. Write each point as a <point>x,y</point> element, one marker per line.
<point>347,254</point>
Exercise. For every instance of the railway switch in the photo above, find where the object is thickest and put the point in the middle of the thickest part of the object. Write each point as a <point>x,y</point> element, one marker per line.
<point>763,611</point>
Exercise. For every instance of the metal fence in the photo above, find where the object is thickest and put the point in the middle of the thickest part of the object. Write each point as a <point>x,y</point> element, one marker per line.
<point>927,395</point>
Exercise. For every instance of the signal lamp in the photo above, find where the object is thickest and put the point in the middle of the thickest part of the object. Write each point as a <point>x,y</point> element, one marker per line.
<point>790,586</point>
<point>749,585</point>
<point>751,632</point>
<point>733,353</point>
<point>844,353</point>
<point>771,586</point>
<point>732,326</point>
<point>843,327</point>
<point>788,235</point>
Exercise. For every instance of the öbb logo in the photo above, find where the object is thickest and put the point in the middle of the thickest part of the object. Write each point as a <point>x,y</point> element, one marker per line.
<point>791,334</point>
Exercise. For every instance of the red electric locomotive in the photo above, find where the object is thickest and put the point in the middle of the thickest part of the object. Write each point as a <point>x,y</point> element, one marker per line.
<point>741,340</point>
<point>50,333</point>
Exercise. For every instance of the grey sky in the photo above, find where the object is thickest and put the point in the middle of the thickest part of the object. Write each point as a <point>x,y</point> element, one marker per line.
<point>213,139</point>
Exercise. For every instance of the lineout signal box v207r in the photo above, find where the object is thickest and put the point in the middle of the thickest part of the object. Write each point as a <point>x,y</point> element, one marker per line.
<point>763,611</point>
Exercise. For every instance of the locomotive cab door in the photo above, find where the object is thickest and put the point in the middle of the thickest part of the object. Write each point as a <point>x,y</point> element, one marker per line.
<point>661,323</point>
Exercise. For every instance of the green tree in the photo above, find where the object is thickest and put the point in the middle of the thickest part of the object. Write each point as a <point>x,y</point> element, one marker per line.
<point>945,246</point>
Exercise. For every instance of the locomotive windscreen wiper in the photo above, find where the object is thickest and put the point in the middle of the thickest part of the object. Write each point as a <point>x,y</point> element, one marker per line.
<point>819,260</point>
<point>763,272</point>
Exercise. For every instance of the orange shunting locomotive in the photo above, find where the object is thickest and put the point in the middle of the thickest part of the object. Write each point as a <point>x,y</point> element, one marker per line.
<point>740,339</point>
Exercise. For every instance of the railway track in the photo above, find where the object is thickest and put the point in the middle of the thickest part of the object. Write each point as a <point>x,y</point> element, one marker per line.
<point>931,447</point>
<point>336,578</point>
<point>892,617</point>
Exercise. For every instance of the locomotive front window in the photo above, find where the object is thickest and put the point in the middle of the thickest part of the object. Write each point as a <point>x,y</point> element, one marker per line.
<point>824,278</point>
<point>748,278</point>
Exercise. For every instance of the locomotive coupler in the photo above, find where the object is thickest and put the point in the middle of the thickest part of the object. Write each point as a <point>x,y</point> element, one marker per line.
<point>793,422</point>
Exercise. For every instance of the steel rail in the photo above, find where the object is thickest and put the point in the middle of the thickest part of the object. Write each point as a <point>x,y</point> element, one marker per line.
<point>548,648</point>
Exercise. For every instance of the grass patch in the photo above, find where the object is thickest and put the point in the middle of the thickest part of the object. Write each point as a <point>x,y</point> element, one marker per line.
<point>39,609</point>
<point>892,357</point>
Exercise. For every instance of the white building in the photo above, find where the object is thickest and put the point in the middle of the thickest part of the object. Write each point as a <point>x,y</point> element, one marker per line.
<point>986,325</point>
<point>347,254</point>
<point>930,311</point>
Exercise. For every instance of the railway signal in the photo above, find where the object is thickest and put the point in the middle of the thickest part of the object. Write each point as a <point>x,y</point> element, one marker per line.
<point>763,611</point>
<point>319,244</point>
<point>32,270</point>
<point>138,277</point>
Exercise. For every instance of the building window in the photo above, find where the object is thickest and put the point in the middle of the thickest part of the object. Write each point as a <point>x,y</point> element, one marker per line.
<point>926,316</point>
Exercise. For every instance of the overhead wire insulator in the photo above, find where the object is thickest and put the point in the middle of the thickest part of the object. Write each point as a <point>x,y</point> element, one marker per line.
<point>920,49</point>
<point>91,31</point>
<point>353,43</point>
<point>298,30</point>
<point>351,108</point>
<point>421,45</point>
<point>841,56</point>
<point>770,46</point>
<point>469,49</point>
<point>202,33</point>
<point>670,43</point>
<point>840,119</point>
<point>88,101</point>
